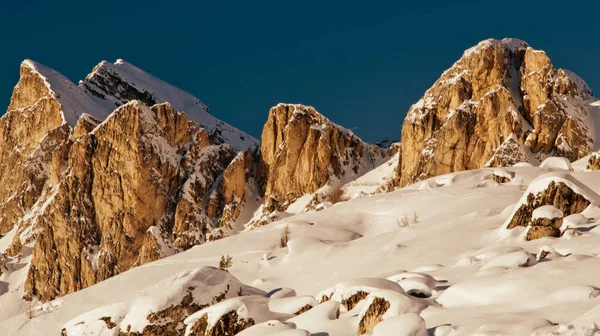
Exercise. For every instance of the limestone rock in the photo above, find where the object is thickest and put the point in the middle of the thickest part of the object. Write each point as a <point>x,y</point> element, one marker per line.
<point>557,194</point>
<point>501,103</point>
<point>92,192</point>
<point>302,151</point>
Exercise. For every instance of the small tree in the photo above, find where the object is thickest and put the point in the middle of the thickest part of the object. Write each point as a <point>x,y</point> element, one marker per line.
<point>336,195</point>
<point>30,306</point>
<point>404,222</point>
<point>225,263</point>
<point>522,185</point>
<point>415,218</point>
<point>285,236</point>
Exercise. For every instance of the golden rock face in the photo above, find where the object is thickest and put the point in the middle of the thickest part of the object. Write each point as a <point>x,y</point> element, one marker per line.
<point>500,101</point>
<point>301,151</point>
<point>94,199</point>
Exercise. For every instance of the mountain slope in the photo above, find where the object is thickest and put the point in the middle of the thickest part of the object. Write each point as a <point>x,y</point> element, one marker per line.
<point>474,273</point>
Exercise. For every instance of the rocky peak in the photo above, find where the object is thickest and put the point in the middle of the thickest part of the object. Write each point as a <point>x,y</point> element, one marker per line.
<point>114,84</point>
<point>303,151</point>
<point>89,193</point>
<point>500,97</point>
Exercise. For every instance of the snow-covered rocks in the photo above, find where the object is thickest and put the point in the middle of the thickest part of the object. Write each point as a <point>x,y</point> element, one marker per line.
<point>502,176</point>
<point>564,193</point>
<point>162,308</point>
<point>352,291</point>
<point>557,163</point>
<point>593,162</point>
<point>230,317</point>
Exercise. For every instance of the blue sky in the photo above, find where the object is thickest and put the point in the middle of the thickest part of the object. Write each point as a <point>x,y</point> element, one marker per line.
<point>361,63</point>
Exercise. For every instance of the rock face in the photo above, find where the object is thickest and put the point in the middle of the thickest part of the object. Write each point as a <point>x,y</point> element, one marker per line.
<point>302,151</point>
<point>501,103</point>
<point>91,193</point>
<point>133,190</point>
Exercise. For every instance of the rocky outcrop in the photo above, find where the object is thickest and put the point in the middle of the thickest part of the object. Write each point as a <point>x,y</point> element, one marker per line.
<point>557,194</point>
<point>501,103</point>
<point>302,151</point>
<point>548,199</point>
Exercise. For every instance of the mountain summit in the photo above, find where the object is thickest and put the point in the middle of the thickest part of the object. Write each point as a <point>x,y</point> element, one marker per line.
<point>501,103</point>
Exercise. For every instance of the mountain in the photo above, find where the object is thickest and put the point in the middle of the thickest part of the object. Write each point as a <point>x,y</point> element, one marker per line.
<point>95,184</point>
<point>125,169</point>
<point>122,195</point>
<point>501,103</point>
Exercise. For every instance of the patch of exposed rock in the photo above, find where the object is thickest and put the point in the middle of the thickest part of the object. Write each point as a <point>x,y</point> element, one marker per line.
<point>501,103</point>
<point>373,315</point>
<point>594,162</point>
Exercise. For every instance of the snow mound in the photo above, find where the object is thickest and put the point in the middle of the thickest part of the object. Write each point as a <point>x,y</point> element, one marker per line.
<point>416,284</point>
<point>291,305</point>
<point>403,325</point>
<point>274,328</point>
<point>547,211</point>
<point>557,163</point>
<point>509,260</point>
<point>319,319</point>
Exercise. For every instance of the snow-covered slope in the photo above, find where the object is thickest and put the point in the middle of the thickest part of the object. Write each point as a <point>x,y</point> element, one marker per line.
<point>114,84</point>
<point>443,240</point>
<point>75,101</point>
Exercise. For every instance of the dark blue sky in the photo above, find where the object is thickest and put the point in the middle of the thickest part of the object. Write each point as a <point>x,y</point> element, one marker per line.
<point>361,63</point>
